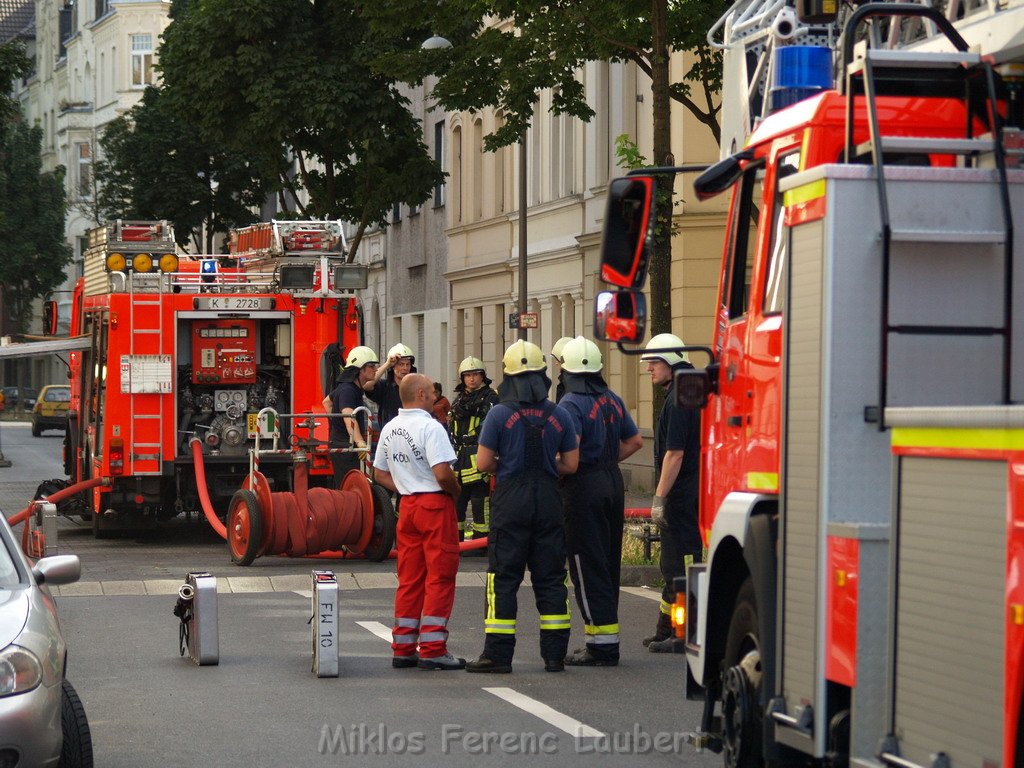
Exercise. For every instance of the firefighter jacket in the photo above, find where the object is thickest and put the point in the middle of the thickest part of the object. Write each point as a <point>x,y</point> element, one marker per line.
<point>464,422</point>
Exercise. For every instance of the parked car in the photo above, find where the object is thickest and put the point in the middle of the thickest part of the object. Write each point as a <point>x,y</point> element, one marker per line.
<point>27,398</point>
<point>51,408</point>
<point>42,720</point>
<point>19,398</point>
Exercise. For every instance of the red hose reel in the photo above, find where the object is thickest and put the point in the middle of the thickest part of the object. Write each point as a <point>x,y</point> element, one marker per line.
<point>358,517</point>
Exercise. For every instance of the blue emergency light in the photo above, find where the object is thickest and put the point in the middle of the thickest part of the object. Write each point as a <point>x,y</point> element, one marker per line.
<point>799,72</point>
<point>208,270</point>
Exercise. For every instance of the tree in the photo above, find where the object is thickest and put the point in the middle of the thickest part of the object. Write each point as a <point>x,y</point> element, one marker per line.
<point>289,82</point>
<point>546,44</point>
<point>155,166</point>
<point>33,251</point>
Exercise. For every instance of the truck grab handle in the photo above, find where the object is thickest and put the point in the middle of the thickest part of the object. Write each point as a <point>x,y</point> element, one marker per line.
<point>896,9</point>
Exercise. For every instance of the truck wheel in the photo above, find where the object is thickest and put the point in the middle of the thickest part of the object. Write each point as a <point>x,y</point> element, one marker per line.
<point>742,715</point>
<point>76,751</point>
<point>383,538</point>
<point>245,527</point>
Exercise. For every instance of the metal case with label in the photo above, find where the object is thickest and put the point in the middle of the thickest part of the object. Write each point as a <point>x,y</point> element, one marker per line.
<point>325,624</point>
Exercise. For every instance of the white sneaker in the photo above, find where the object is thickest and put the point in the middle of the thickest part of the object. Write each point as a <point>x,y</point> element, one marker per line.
<point>442,662</point>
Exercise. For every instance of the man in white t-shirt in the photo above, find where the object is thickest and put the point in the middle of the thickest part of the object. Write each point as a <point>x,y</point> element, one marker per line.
<point>413,459</point>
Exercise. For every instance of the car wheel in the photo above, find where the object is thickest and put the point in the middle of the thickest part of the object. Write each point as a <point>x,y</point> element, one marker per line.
<point>76,752</point>
<point>36,431</point>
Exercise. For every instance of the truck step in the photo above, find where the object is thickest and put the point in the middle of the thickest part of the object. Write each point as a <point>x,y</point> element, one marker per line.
<point>994,237</point>
<point>919,145</point>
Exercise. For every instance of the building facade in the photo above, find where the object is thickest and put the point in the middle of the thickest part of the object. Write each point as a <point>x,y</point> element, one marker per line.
<point>408,297</point>
<point>93,59</point>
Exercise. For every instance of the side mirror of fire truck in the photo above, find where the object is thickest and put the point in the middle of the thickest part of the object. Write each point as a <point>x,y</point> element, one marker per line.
<point>620,316</point>
<point>721,176</point>
<point>49,318</point>
<point>694,385</point>
<point>628,231</point>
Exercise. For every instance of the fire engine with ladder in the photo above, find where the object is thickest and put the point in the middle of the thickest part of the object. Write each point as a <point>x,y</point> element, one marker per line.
<point>181,351</point>
<point>862,468</point>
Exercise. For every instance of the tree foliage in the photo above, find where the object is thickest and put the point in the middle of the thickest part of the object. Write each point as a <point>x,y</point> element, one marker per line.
<point>156,166</point>
<point>290,83</point>
<point>545,45</point>
<point>32,204</point>
<point>32,211</point>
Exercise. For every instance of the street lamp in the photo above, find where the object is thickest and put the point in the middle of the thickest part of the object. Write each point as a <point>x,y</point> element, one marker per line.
<point>437,43</point>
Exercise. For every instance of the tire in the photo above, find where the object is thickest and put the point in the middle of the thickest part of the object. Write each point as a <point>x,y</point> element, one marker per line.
<point>384,520</point>
<point>36,430</point>
<point>245,527</point>
<point>742,715</point>
<point>76,751</point>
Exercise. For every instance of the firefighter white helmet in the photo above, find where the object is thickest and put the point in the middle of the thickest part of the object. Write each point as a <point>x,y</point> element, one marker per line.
<point>581,355</point>
<point>401,351</point>
<point>559,347</point>
<point>360,356</point>
<point>664,341</point>
<point>522,357</point>
<point>471,364</point>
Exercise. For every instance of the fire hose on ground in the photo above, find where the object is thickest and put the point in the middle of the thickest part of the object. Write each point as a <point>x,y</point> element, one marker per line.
<point>61,495</point>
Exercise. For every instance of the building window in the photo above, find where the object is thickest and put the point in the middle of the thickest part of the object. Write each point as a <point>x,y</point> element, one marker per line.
<point>142,60</point>
<point>102,8</point>
<point>83,152</point>
<point>457,174</point>
<point>439,159</point>
<point>414,210</point>
<point>396,212</point>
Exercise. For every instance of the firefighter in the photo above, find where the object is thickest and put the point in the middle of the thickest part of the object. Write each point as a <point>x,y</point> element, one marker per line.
<point>594,500</point>
<point>414,459</point>
<point>384,391</point>
<point>360,368</point>
<point>556,358</point>
<point>677,467</point>
<point>528,442</point>
<point>474,398</point>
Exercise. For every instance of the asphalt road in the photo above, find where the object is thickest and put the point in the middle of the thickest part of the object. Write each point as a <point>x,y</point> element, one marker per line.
<point>262,706</point>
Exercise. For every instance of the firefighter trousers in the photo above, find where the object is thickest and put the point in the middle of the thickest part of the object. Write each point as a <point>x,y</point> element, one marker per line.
<point>428,559</point>
<point>680,545</point>
<point>473,497</point>
<point>527,530</point>
<point>594,511</point>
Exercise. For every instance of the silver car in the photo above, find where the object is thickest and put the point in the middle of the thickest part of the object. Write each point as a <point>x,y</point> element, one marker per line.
<point>42,720</point>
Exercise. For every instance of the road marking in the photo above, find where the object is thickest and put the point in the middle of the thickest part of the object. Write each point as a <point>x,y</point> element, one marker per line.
<point>570,725</point>
<point>384,633</point>
<point>647,592</point>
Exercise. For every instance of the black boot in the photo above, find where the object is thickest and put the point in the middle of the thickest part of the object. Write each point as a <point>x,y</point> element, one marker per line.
<point>662,632</point>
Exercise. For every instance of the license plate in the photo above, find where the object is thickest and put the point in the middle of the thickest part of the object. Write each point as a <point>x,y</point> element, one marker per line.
<point>234,303</point>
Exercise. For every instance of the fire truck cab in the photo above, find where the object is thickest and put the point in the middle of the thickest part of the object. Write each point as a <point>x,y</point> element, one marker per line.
<point>194,346</point>
<point>862,473</point>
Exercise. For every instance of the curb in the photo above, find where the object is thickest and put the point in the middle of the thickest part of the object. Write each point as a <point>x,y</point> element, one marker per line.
<point>641,576</point>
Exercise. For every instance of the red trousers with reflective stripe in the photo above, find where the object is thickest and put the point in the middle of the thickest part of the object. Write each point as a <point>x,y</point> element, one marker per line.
<point>428,559</point>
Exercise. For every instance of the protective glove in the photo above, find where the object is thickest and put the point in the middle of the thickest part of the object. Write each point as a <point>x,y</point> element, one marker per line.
<point>658,512</point>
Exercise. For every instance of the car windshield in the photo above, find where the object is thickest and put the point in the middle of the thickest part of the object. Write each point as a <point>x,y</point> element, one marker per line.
<point>58,395</point>
<point>8,571</point>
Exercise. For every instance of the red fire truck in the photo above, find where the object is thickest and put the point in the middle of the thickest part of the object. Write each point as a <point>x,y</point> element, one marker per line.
<point>186,346</point>
<point>862,473</point>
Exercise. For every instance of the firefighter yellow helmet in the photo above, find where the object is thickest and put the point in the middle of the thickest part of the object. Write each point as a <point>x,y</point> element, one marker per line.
<point>360,356</point>
<point>522,357</point>
<point>559,347</point>
<point>401,351</point>
<point>663,341</point>
<point>581,355</point>
<point>471,364</point>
